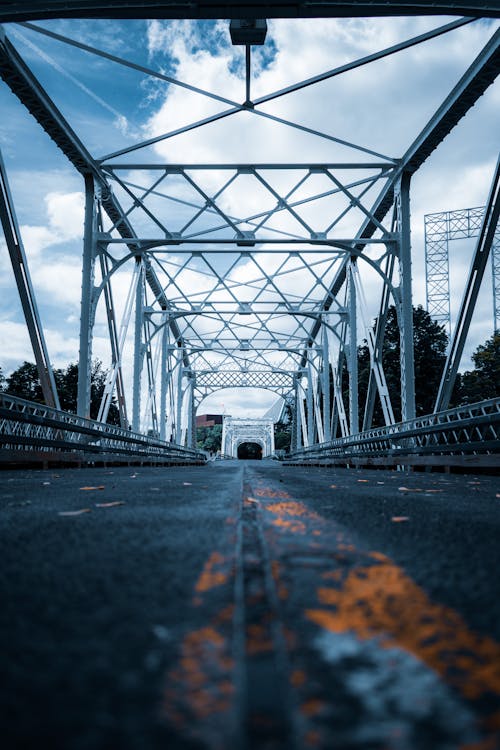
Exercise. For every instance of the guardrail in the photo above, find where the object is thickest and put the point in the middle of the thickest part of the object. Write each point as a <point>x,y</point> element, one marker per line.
<point>32,433</point>
<point>467,436</point>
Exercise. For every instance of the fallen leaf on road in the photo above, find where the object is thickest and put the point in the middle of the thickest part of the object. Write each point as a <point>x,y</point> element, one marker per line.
<point>398,519</point>
<point>74,512</point>
<point>498,494</point>
<point>333,486</point>
<point>187,484</point>
<point>409,489</point>
<point>363,480</point>
<point>45,482</point>
<point>101,487</point>
<point>380,482</point>
<point>110,505</point>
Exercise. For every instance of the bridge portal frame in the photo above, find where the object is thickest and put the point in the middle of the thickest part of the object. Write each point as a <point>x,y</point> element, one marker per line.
<point>239,430</point>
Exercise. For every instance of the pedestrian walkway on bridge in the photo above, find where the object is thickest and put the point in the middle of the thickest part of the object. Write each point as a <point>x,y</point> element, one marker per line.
<point>249,605</point>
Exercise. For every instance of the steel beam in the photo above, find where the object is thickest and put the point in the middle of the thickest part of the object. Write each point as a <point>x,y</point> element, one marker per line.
<point>352,359</point>
<point>405,306</point>
<point>163,382</point>
<point>325,372</point>
<point>13,10</point>
<point>138,352</point>
<point>22,276</point>
<point>87,300</point>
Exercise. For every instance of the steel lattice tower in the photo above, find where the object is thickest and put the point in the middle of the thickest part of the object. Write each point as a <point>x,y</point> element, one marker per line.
<point>440,229</point>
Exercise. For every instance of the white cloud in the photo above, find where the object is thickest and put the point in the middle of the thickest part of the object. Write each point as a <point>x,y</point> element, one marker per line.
<point>65,214</point>
<point>16,346</point>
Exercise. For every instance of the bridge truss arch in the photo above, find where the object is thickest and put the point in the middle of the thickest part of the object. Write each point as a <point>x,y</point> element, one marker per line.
<point>244,273</point>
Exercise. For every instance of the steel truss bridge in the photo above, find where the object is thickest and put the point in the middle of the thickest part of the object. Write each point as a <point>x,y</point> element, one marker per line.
<point>245,273</point>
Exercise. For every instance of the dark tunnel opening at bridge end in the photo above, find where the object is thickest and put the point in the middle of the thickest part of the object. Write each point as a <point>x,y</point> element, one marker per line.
<point>250,451</point>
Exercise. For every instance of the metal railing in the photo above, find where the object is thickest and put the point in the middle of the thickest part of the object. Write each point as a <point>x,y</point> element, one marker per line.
<point>34,432</point>
<point>466,435</point>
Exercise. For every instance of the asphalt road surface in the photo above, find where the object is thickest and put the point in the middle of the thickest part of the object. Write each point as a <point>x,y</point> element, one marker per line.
<point>249,606</point>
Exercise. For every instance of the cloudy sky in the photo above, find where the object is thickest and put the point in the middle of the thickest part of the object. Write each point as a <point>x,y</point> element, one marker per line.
<point>381,106</point>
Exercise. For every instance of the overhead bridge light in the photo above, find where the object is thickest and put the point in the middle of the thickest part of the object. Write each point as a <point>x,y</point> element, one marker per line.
<point>248,31</point>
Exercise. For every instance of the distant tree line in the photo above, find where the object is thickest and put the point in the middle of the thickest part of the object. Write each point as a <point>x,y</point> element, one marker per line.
<point>25,383</point>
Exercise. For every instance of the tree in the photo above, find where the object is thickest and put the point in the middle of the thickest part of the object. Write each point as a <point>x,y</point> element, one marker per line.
<point>484,380</point>
<point>283,431</point>
<point>2,380</point>
<point>282,436</point>
<point>24,383</point>
<point>430,341</point>
<point>209,438</point>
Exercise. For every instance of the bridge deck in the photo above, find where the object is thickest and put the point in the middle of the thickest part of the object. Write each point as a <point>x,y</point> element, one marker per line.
<point>249,605</point>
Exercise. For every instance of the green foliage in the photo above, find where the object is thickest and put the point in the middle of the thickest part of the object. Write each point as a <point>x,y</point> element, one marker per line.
<point>282,436</point>
<point>24,383</point>
<point>283,431</point>
<point>484,380</point>
<point>430,341</point>
<point>2,380</point>
<point>209,438</point>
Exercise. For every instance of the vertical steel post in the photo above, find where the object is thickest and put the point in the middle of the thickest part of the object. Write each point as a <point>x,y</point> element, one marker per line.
<point>138,350</point>
<point>178,402</point>
<point>248,72</point>
<point>86,309</point>
<point>298,417</point>
<point>406,302</point>
<point>163,381</point>
<point>223,447</point>
<point>326,388</point>
<point>310,403</point>
<point>352,358</point>
<point>191,431</point>
<point>495,279</point>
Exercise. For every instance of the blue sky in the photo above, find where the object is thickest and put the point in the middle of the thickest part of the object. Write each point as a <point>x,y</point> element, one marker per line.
<point>383,106</point>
